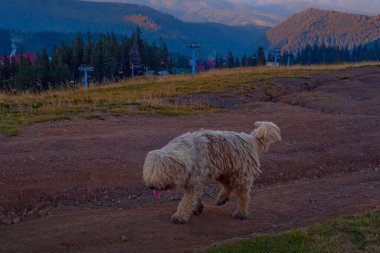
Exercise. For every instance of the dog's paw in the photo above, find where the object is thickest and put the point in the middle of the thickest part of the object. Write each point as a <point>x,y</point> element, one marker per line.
<point>199,209</point>
<point>239,216</point>
<point>179,220</point>
<point>220,202</point>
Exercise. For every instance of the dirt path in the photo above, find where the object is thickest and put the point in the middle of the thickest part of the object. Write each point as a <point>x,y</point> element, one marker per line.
<point>76,185</point>
<point>147,228</point>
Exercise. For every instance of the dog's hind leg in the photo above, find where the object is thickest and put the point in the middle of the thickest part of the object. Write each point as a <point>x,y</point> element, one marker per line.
<point>224,193</point>
<point>190,204</point>
<point>199,208</point>
<point>242,192</point>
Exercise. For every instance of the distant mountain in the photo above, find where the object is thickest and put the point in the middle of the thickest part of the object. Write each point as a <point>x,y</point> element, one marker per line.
<point>15,42</point>
<point>315,26</point>
<point>218,11</point>
<point>68,16</point>
<point>289,7</point>
<point>257,12</point>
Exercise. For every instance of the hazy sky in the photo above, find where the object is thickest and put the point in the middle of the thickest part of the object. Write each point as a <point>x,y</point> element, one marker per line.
<point>362,6</point>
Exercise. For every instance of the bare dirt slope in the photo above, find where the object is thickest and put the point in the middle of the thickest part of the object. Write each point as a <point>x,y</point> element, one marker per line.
<point>76,185</point>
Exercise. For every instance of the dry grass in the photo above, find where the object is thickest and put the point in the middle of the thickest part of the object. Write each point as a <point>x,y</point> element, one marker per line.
<point>141,95</point>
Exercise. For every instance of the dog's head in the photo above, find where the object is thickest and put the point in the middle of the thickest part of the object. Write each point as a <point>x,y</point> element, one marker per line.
<point>159,172</point>
<point>266,133</point>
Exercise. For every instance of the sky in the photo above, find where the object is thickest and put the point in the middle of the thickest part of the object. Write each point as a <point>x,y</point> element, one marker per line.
<point>371,7</point>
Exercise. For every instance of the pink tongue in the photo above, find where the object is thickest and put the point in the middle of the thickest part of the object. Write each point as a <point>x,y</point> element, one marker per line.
<point>157,194</point>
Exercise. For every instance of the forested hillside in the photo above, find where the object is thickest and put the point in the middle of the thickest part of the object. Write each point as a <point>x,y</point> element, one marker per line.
<point>332,28</point>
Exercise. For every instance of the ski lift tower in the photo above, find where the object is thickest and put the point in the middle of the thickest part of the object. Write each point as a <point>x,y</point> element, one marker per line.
<point>86,69</point>
<point>194,48</point>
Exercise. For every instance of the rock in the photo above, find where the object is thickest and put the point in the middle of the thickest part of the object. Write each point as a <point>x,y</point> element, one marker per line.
<point>43,212</point>
<point>7,221</point>
<point>16,220</point>
<point>132,197</point>
<point>124,238</point>
<point>31,213</point>
<point>175,198</point>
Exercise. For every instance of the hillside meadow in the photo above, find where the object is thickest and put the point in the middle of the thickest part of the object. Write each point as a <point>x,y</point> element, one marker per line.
<point>142,95</point>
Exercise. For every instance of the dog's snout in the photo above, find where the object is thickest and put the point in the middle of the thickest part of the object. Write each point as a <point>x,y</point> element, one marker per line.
<point>151,187</point>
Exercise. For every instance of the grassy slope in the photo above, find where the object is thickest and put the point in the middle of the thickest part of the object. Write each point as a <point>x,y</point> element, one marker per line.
<point>349,234</point>
<point>136,96</point>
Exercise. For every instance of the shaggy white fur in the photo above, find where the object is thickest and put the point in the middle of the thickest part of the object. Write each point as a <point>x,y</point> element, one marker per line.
<point>193,159</point>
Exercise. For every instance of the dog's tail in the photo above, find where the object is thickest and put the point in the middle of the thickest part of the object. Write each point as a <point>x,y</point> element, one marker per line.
<point>266,133</point>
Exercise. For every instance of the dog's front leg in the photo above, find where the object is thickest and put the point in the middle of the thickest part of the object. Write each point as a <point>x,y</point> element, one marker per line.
<point>190,204</point>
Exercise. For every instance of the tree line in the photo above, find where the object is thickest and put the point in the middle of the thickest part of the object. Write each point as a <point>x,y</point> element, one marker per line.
<point>321,54</point>
<point>114,58</point>
<point>317,54</point>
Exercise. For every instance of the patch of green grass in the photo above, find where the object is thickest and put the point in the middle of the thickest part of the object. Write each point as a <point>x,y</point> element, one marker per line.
<point>296,242</point>
<point>360,233</point>
<point>173,110</point>
<point>47,118</point>
<point>9,129</point>
<point>5,106</point>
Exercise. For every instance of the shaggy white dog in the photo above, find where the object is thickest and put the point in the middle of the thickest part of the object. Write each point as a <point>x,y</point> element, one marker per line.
<point>193,159</point>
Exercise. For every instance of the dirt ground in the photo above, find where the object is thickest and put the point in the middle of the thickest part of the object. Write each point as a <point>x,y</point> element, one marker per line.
<point>76,186</point>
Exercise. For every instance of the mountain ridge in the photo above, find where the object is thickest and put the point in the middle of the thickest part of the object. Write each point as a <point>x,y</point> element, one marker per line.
<point>217,11</point>
<point>332,28</point>
<point>82,16</point>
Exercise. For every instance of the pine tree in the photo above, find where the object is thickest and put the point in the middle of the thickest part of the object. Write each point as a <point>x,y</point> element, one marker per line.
<point>217,63</point>
<point>43,70</point>
<point>78,54</point>
<point>237,62</point>
<point>230,59</point>
<point>96,61</point>
<point>261,57</point>
<point>25,77</point>
<point>244,61</point>
<point>88,49</point>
